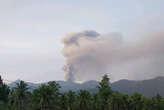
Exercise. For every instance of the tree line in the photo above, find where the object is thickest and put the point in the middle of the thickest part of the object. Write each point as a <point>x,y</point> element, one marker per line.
<point>49,97</point>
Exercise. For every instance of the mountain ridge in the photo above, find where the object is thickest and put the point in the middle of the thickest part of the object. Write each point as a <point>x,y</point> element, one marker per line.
<point>149,87</point>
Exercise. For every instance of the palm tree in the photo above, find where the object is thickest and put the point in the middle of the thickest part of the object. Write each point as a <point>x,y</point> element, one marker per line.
<point>18,96</point>
<point>4,91</point>
<point>126,102</point>
<point>137,101</point>
<point>104,92</point>
<point>95,102</point>
<point>46,96</point>
<point>84,100</point>
<point>63,102</point>
<point>71,97</point>
<point>157,102</point>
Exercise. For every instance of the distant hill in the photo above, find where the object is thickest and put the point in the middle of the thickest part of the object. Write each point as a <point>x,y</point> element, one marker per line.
<point>146,87</point>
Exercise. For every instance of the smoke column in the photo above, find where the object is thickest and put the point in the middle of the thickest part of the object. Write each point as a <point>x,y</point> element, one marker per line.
<point>89,55</point>
<point>69,70</point>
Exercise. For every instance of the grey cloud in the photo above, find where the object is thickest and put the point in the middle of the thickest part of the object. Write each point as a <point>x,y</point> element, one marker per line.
<point>101,54</point>
<point>74,37</point>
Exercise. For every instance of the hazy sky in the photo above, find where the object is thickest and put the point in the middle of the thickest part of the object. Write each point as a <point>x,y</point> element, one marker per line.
<point>31,30</point>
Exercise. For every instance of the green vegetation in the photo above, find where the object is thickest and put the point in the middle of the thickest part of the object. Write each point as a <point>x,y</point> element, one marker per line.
<point>48,97</point>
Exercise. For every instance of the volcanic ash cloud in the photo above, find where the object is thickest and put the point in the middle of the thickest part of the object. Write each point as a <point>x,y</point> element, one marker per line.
<point>89,55</point>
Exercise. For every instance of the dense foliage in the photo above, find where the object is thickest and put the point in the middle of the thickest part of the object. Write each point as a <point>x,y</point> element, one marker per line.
<point>48,97</point>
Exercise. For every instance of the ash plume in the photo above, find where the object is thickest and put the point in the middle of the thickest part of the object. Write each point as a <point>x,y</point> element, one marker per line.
<point>91,55</point>
<point>69,70</point>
